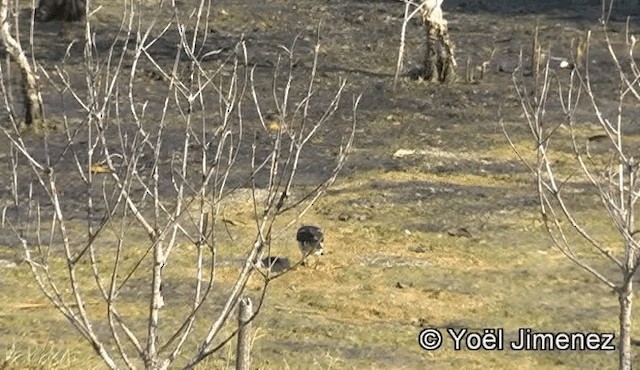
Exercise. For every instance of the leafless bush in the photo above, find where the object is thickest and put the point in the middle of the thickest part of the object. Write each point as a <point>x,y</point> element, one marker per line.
<point>610,172</point>
<point>127,166</point>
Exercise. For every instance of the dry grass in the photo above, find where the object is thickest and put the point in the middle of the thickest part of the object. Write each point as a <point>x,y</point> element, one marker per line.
<point>369,297</point>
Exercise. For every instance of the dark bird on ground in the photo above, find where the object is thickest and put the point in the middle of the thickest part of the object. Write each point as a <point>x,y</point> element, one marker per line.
<point>310,239</point>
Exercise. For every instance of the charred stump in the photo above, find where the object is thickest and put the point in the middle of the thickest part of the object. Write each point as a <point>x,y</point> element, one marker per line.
<point>31,96</point>
<point>439,63</point>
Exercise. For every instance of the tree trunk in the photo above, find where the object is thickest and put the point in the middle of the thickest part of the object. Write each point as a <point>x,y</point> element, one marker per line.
<point>32,101</point>
<point>243,352</point>
<point>439,63</point>
<point>626,299</point>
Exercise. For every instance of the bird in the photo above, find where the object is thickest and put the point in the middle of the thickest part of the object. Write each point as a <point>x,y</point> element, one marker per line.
<point>310,239</point>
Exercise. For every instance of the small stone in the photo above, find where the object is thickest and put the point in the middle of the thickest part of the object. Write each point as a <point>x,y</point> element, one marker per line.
<point>344,216</point>
<point>400,153</point>
<point>362,217</point>
<point>459,232</point>
<point>7,264</point>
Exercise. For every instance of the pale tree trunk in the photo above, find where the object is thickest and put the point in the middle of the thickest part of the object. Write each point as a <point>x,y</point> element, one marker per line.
<point>439,63</point>
<point>625,292</point>
<point>32,101</point>
<point>243,351</point>
<point>625,297</point>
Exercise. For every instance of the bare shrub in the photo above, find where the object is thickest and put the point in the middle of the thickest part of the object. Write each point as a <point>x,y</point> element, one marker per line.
<point>609,173</point>
<point>123,212</point>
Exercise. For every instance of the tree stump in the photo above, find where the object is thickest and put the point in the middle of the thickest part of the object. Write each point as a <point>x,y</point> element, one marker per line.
<point>32,101</point>
<point>439,63</point>
<point>243,349</point>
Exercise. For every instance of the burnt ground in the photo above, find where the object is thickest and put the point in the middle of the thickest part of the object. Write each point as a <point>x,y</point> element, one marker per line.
<point>394,265</point>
